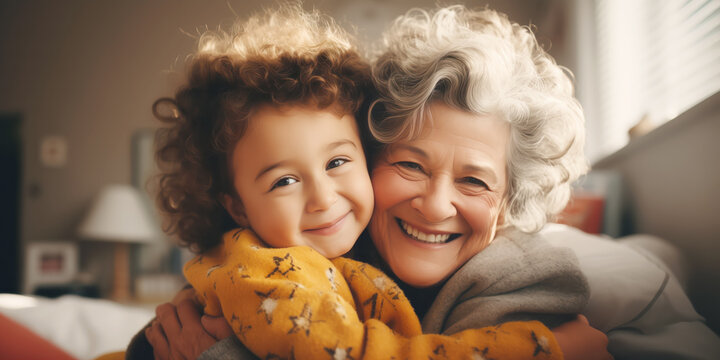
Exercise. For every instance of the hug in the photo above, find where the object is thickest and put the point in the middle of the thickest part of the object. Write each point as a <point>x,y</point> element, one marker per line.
<point>392,207</point>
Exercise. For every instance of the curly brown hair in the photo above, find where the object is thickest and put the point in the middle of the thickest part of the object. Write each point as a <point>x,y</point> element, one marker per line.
<point>282,57</point>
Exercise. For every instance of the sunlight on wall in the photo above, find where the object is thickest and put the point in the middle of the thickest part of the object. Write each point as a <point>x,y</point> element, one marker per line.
<point>652,60</point>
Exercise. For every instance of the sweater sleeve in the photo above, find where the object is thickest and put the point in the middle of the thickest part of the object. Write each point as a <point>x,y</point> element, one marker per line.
<point>280,302</point>
<point>390,325</point>
<point>294,303</point>
<point>229,348</point>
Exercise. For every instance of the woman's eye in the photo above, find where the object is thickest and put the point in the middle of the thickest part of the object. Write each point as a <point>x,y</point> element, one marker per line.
<point>474,181</point>
<point>283,182</point>
<point>335,163</point>
<point>409,165</point>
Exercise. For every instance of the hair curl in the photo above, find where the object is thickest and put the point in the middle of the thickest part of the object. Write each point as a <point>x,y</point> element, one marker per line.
<point>480,62</point>
<point>284,56</point>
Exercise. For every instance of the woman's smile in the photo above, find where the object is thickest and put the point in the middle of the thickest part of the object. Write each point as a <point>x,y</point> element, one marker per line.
<point>426,236</point>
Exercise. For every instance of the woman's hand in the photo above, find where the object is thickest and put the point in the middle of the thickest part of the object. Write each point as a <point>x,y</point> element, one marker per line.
<point>579,340</point>
<point>179,332</point>
<point>187,293</point>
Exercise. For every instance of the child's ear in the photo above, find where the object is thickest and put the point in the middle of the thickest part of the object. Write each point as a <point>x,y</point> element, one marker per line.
<point>233,205</point>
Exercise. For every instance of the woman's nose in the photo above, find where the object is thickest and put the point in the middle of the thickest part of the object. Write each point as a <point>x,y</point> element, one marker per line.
<point>436,203</point>
<point>321,195</point>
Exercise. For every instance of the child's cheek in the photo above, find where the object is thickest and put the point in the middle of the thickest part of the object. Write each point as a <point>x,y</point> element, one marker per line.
<point>362,194</point>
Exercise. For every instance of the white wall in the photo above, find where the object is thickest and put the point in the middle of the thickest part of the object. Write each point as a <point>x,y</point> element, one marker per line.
<point>672,180</point>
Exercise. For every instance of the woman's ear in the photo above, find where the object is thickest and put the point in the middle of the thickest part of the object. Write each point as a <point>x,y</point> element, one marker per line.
<point>233,205</point>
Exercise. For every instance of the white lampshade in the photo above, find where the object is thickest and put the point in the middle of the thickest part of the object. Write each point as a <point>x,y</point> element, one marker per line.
<point>119,214</point>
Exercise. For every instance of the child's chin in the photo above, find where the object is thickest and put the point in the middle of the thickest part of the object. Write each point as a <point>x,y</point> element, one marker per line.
<point>336,253</point>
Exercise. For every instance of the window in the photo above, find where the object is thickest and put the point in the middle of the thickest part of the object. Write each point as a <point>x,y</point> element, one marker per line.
<point>647,58</point>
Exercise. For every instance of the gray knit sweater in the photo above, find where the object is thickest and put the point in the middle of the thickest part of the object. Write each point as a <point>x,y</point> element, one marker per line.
<point>517,277</point>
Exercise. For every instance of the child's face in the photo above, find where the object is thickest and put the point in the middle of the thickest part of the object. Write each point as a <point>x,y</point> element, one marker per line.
<point>301,178</point>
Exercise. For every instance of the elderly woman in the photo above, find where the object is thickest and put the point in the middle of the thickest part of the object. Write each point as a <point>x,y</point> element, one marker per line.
<point>483,139</point>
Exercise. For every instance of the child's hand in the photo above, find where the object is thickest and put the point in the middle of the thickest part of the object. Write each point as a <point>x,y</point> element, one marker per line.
<point>579,340</point>
<point>177,332</point>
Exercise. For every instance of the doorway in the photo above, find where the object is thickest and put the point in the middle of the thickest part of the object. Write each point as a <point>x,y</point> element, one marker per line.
<point>10,159</point>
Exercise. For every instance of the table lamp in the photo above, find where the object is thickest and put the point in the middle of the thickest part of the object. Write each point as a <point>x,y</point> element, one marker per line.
<point>119,215</point>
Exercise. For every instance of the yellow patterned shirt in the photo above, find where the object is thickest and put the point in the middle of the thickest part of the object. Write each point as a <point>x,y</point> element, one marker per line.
<point>293,303</point>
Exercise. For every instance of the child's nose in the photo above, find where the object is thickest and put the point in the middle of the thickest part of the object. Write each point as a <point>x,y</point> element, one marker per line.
<point>321,195</point>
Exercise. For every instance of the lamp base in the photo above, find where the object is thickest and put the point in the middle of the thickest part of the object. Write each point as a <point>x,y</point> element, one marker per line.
<point>121,277</point>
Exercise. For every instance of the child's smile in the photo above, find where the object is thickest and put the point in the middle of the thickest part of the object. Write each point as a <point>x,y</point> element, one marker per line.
<point>328,228</point>
<point>301,179</point>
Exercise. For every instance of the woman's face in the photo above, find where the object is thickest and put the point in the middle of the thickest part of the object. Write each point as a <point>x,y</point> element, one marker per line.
<point>438,198</point>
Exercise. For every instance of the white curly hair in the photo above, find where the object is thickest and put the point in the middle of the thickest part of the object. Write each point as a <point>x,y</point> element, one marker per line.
<point>480,62</point>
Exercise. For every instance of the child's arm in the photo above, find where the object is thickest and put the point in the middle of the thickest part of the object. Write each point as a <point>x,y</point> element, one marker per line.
<point>295,303</point>
<point>576,338</point>
<point>391,326</point>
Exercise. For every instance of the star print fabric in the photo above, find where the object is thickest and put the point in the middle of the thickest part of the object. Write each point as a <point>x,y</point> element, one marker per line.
<point>293,303</point>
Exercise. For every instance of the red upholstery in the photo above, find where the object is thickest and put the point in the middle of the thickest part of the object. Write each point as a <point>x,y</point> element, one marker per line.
<point>19,343</point>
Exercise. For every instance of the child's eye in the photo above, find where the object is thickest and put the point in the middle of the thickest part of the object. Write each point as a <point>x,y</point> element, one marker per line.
<point>409,165</point>
<point>335,163</point>
<point>283,182</point>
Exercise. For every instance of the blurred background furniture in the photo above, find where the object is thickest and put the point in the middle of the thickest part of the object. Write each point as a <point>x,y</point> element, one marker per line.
<point>119,215</point>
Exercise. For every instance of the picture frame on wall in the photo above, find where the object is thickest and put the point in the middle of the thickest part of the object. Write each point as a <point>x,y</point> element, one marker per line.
<point>50,263</point>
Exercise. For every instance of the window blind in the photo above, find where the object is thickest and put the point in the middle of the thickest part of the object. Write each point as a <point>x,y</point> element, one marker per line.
<point>653,58</point>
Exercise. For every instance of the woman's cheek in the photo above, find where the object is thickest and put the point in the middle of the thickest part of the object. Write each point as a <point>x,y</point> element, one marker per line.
<point>389,187</point>
<point>482,217</point>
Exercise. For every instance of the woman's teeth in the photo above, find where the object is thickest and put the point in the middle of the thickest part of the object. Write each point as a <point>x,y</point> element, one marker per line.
<point>421,236</point>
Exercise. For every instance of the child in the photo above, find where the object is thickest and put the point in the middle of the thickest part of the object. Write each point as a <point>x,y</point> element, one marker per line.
<point>264,136</point>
